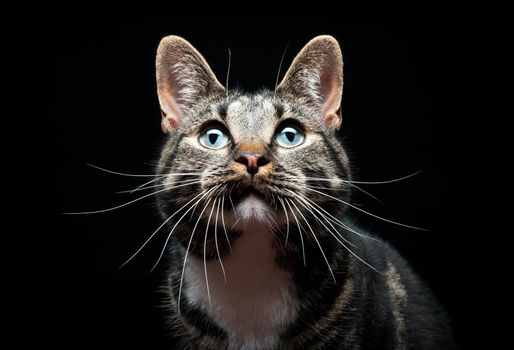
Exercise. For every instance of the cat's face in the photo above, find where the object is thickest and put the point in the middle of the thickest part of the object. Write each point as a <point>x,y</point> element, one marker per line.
<point>253,158</point>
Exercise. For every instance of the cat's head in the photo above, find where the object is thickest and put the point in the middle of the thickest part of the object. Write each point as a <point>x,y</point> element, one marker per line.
<point>268,156</point>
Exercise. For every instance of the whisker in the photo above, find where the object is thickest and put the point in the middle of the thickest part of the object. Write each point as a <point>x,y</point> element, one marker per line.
<point>216,240</point>
<point>135,175</point>
<point>235,223</point>
<point>310,208</point>
<point>273,231</point>
<point>125,204</point>
<point>280,68</point>
<point>161,166</point>
<point>233,207</point>
<point>268,216</point>
<point>351,184</point>
<point>157,230</point>
<point>143,185</point>
<point>271,226</point>
<point>317,242</point>
<point>120,173</point>
<point>116,207</point>
<point>342,188</point>
<point>188,182</point>
<point>274,201</point>
<point>299,230</point>
<point>357,182</point>
<point>223,221</point>
<point>187,251</point>
<point>344,245</point>
<point>228,70</point>
<point>287,220</point>
<point>366,212</point>
<point>173,228</point>
<point>337,221</point>
<point>204,255</point>
<point>193,211</point>
<point>385,181</point>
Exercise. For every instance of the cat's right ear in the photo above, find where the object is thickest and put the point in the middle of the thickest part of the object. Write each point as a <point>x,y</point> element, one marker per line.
<point>183,79</point>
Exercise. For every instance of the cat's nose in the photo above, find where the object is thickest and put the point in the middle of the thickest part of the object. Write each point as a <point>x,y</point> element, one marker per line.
<point>252,161</point>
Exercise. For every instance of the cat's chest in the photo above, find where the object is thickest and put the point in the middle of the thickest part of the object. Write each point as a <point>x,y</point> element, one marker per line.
<point>257,300</point>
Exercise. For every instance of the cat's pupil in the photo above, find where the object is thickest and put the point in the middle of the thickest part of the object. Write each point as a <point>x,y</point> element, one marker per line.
<point>213,137</point>
<point>290,136</point>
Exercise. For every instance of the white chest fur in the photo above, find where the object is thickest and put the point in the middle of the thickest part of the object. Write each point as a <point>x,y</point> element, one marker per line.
<point>257,301</point>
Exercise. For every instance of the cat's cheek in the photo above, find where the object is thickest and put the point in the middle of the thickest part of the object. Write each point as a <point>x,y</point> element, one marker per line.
<point>238,169</point>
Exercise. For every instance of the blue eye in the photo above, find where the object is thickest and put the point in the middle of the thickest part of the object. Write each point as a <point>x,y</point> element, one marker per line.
<point>289,137</point>
<point>214,138</point>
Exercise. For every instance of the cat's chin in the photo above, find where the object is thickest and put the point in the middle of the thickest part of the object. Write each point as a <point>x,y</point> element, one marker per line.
<point>254,208</point>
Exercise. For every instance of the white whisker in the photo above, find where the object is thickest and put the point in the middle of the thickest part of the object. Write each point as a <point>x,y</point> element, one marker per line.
<point>173,228</point>
<point>356,182</point>
<point>188,182</point>
<point>223,221</point>
<point>185,256</point>
<point>136,175</point>
<point>385,181</point>
<point>233,207</point>
<point>280,68</point>
<point>287,220</point>
<point>125,204</point>
<point>216,240</point>
<point>317,242</point>
<point>161,226</point>
<point>143,185</point>
<point>351,184</point>
<point>299,230</point>
<point>310,208</point>
<point>337,221</point>
<point>344,245</point>
<point>205,253</point>
<point>116,207</point>
<point>235,223</point>
<point>228,71</point>
<point>342,188</point>
<point>364,211</point>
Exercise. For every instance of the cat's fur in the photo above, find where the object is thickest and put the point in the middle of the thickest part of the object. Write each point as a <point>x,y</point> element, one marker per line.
<point>291,280</point>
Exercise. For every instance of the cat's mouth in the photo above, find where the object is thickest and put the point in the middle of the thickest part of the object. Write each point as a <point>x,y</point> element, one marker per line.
<point>251,205</point>
<point>240,194</point>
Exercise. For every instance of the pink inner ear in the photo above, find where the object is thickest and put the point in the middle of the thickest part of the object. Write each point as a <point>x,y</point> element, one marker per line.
<point>331,90</point>
<point>169,107</point>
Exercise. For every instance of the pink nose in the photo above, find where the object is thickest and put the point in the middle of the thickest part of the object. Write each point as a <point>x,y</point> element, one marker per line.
<point>252,161</point>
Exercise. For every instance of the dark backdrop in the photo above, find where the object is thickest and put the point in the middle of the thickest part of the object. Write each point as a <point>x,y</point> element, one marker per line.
<point>89,97</point>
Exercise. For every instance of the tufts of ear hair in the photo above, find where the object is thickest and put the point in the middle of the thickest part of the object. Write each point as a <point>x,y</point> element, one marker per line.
<point>316,78</point>
<point>183,79</point>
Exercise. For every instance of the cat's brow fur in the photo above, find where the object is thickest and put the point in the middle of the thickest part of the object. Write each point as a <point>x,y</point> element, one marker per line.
<point>333,299</point>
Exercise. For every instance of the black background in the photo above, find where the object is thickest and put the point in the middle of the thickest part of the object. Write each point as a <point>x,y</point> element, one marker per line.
<point>88,90</point>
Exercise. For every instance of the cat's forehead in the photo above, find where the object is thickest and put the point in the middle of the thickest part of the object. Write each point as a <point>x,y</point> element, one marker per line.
<point>253,116</point>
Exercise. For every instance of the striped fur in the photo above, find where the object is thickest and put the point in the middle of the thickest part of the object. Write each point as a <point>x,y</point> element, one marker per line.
<point>306,288</point>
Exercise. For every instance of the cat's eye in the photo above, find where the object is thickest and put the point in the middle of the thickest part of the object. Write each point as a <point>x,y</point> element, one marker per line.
<point>214,138</point>
<point>289,136</point>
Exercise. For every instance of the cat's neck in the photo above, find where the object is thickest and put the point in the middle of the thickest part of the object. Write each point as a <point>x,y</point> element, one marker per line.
<point>256,301</point>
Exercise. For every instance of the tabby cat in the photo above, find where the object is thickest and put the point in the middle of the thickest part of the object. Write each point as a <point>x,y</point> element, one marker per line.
<point>255,196</point>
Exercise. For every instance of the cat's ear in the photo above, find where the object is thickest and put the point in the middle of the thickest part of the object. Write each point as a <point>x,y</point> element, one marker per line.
<point>316,78</point>
<point>183,79</point>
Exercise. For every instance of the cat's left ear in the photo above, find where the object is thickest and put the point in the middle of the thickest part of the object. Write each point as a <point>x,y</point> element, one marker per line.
<point>316,78</point>
<point>183,79</point>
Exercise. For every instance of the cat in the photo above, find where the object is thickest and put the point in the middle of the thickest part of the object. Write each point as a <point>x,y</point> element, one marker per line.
<point>255,193</point>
